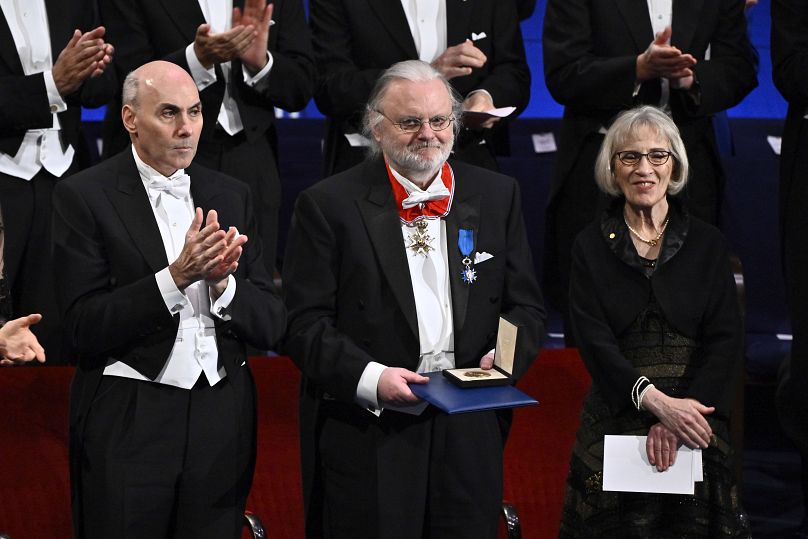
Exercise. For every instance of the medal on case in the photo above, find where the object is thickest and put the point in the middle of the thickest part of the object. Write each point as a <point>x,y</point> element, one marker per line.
<point>465,241</point>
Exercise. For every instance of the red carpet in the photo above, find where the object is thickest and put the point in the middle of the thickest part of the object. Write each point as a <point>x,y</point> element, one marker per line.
<point>34,494</point>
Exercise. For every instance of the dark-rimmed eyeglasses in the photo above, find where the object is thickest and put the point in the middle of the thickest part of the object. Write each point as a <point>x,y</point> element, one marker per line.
<point>655,157</point>
<point>413,125</point>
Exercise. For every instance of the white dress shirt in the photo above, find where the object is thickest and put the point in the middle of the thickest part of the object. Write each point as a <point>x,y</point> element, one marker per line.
<point>433,304</point>
<point>41,148</point>
<point>427,20</point>
<point>195,350</point>
<point>219,15</point>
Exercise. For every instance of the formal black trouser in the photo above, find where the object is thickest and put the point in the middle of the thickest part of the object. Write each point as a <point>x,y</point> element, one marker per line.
<point>162,462</point>
<point>399,476</point>
<point>255,164</point>
<point>27,256</point>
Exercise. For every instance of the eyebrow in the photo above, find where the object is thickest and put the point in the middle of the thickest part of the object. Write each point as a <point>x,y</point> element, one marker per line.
<point>177,108</point>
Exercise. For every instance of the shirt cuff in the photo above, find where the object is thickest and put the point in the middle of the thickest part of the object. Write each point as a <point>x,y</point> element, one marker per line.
<point>202,77</point>
<point>57,104</point>
<point>175,300</point>
<point>479,91</point>
<point>221,307</point>
<point>252,80</point>
<point>366,390</point>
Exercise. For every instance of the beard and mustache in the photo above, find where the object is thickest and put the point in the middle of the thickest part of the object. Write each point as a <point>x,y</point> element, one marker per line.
<point>409,157</point>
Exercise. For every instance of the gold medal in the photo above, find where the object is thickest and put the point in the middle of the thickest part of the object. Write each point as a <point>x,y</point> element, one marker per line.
<point>420,241</point>
<point>476,374</point>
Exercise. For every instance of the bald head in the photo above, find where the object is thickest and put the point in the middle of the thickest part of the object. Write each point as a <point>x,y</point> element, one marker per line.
<point>157,73</point>
<point>163,115</point>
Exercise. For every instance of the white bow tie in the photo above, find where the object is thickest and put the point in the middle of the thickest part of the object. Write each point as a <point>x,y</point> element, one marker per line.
<point>420,197</point>
<point>178,187</point>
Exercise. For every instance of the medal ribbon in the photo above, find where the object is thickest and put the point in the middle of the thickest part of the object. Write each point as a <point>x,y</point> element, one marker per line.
<point>433,209</point>
<point>465,242</point>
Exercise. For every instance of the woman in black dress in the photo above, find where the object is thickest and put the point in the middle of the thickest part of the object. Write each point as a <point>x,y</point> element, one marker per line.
<point>655,312</point>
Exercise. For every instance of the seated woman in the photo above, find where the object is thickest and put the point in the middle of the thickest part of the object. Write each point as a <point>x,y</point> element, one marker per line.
<point>655,312</point>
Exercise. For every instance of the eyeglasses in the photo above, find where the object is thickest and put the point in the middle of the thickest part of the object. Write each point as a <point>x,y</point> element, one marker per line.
<point>413,125</point>
<point>631,158</point>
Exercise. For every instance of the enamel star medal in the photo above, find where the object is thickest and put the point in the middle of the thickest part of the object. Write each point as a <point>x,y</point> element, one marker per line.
<point>419,241</point>
<point>465,242</point>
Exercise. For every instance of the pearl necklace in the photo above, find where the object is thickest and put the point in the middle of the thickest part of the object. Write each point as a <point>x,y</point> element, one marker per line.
<point>652,242</point>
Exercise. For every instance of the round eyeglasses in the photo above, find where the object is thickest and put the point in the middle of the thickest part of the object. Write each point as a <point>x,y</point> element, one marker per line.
<point>413,125</point>
<point>655,157</point>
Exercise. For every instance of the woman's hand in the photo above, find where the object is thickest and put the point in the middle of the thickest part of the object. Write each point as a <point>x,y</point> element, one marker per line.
<point>683,417</point>
<point>660,446</point>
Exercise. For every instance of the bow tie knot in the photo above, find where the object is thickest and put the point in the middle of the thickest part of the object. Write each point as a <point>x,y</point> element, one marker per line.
<point>178,187</point>
<point>422,197</point>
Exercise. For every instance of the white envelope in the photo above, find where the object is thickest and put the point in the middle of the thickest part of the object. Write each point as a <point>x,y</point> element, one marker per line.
<point>626,468</point>
<point>477,37</point>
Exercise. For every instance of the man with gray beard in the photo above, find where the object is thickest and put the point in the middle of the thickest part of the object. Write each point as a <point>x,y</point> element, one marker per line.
<point>400,266</point>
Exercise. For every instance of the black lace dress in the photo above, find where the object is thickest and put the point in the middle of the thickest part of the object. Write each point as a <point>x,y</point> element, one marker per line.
<point>670,360</point>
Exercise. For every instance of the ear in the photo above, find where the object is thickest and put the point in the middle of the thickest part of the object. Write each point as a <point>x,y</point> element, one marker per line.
<point>129,119</point>
<point>376,132</point>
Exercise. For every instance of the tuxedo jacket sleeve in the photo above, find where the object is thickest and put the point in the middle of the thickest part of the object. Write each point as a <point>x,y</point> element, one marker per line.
<point>355,40</point>
<point>109,248</point>
<point>146,30</point>
<point>24,97</point>
<point>590,52</point>
<point>696,292</point>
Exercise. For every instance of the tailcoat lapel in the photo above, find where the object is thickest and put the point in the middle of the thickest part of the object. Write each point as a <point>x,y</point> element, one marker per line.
<point>186,16</point>
<point>685,21</point>
<point>384,229</point>
<point>392,16</point>
<point>635,14</point>
<point>458,19</point>
<point>132,204</point>
<point>465,214</point>
<point>59,19</point>
<point>8,49</point>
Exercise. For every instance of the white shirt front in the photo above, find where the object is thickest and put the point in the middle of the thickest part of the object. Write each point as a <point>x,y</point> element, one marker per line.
<point>427,21</point>
<point>433,304</point>
<point>195,350</point>
<point>41,148</point>
<point>219,15</point>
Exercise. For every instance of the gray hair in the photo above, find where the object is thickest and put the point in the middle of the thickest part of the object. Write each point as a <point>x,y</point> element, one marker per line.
<point>130,88</point>
<point>625,129</point>
<point>412,71</point>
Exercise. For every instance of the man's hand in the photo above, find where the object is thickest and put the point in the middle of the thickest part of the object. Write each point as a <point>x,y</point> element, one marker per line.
<point>85,55</point>
<point>218,47</point>
<point>18,344</point>
<point>457,61</point>
<point>258,15</point>
<point>202,252</point>
<point>660,446</point>
<point>683,417</point>
<point>479,102</point>
<point>660,59</point>
<point>487,361</point>
<point>393,389</point>
<point>217,277</point>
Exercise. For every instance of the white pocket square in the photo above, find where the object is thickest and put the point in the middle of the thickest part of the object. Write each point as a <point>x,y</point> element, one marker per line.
<point>482,257</point>
<point>476,37</point>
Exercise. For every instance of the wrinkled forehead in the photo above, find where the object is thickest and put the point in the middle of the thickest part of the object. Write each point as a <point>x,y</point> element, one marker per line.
<point>178,91</point>
<point>421,99</point>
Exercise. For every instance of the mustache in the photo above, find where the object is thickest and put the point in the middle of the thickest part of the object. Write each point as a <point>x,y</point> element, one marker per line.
<point>426,144</point>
